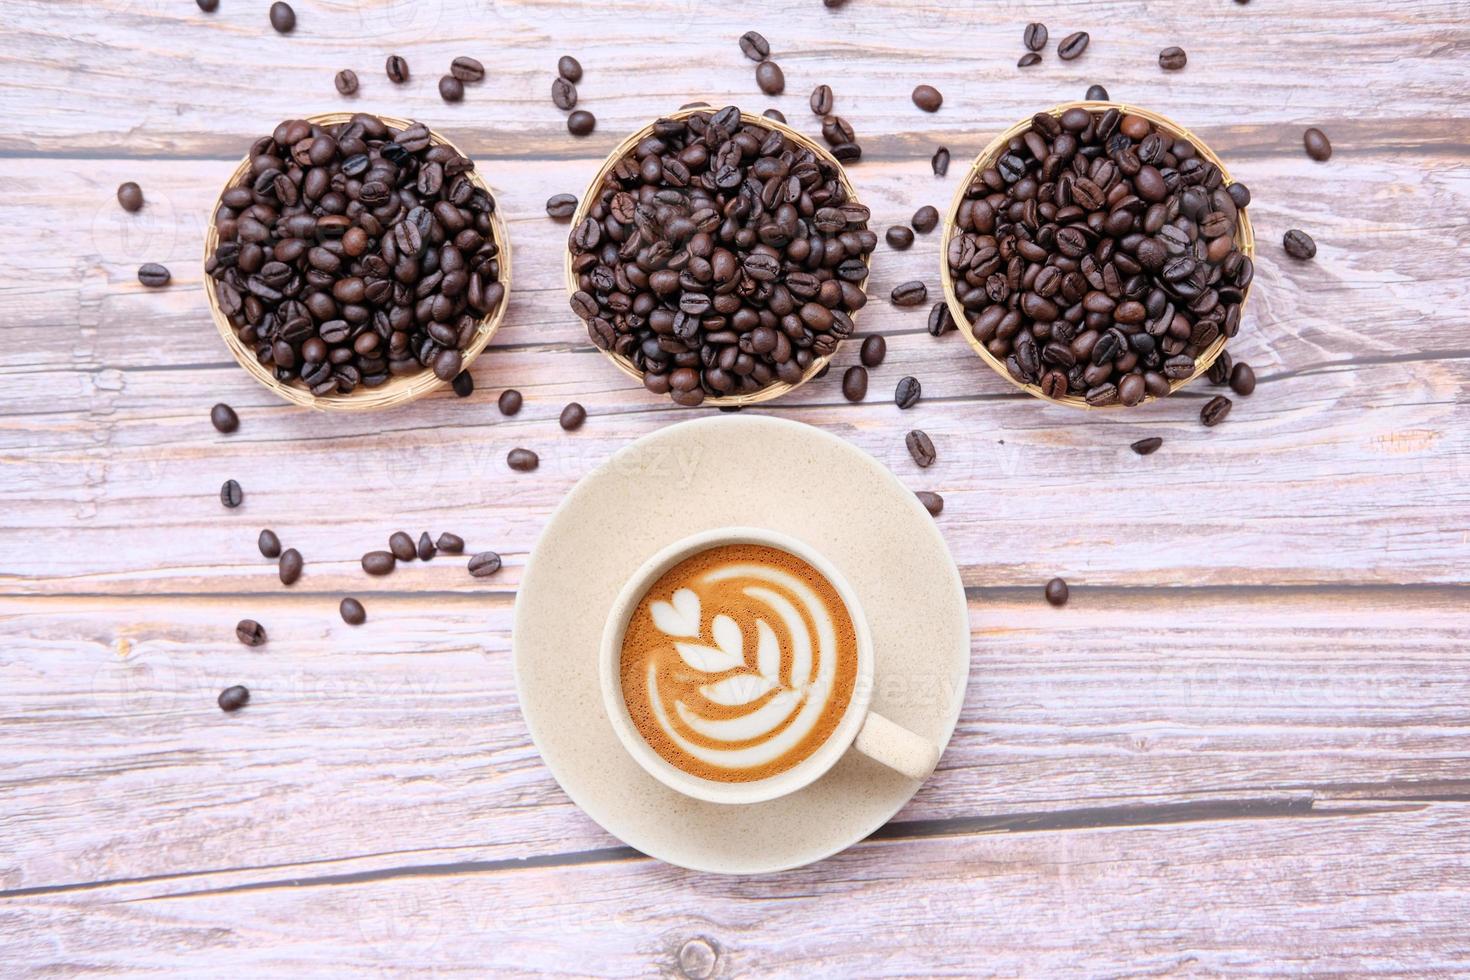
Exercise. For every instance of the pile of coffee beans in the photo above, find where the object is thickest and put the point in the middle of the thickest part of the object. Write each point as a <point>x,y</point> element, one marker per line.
<point>1096,257</point>
<point>355,252</point>
<point>720,257</point>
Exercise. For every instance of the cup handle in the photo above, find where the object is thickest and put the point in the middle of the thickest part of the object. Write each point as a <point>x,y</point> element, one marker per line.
<point>896,747</point>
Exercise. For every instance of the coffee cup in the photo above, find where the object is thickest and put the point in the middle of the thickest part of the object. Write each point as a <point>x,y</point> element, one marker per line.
<point>736,667</point>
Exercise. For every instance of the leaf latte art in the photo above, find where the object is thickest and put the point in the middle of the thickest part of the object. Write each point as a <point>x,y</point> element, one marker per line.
<point>739,663</point>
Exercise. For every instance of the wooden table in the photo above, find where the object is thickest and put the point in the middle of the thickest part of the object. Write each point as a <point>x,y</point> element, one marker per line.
<point>1244,745</point>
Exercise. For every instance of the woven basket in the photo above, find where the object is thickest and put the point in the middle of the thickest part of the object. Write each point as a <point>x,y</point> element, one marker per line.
<point>1244,238</point>
<point>398,389</point>
<point>776,388</point>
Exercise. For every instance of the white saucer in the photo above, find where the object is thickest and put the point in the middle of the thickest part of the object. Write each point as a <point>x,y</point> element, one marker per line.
<point>713,472</point>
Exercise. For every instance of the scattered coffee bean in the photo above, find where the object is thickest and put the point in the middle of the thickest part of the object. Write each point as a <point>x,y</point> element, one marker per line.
<point>821,100</point>
<point>1073,45</point>
<point>1029,59</point>
<point>509,402</point>
<point>289,566</point>
<point>932,502</point>
<point>569,68</point>
<point>397,69</point>
<point>847,152</point>
<point>1172,58</point>
<point>899,237</point>
<point>283,18</point>
<point>581,123</point>
<point>463,384</point>
<point>1057,592</point>
<point>563,93</point>
<point>927,97</point>
<point>1243,379</point>
<point>130,196</point>
<point>467,69</point>
<point>573,416</point>
<point>401,544</point>
<point>1317,145</point>
<point>153,275</point>
<point>230,494</point>
<point>1219,371</point>
<point>250,633</point>
<point>754,46</point>
<point>855,383</point>
<point>208,6</point>
<point>1215,411</point>
<point>775,114</point>
<point>223,418</point>
<point>874,349</point>
<point>451,89</point>
<point>906,394</point>
<point>484,564</point>
<point>426,547</point>
<point>1299,244</point>
<point>450,544</point>
<point>522,460</point>
<point>1096,93</point>
<point>233,698</point>
<point>1144,447</point>
<point>940,322</point>
<point>770,78</point>
<point>910,293</point>
<point>926,219</point>
<point>353,614</point>
<point>561,206</point>
<point>268,543</point>
<point>346,81</point>
<point>921,448</point>
<point>1034,36</point>
<point>940,161</point>
<point>380,562</point>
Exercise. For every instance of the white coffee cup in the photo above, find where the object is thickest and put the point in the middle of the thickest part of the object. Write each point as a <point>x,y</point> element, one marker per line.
<point>860,728</point>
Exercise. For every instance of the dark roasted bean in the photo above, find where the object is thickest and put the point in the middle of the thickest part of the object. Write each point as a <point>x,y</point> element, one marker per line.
<point>450,544</point>
<point>522,460</point>
<point>821,100</point>
<point>467,69</point>
<point>1057,592</point>
<point>346,82</point>
<point>572,417</point>
<point>1172,59</point>
<point>563,94</point>
<point>1096,93</point>
<point>463,384</point>
<point>1243,379</point>
<point>754,46</point>
<point>250,633</point>
<point>910,293</point>
<point>926,219</point>
<point>932,502</point>
<point>380,562</point>
<point>1144,447</point>
<point>509,402</point>
<point>927,97</point>
<point>1034,36</point>
<point>130,196</point>
<point>1215,411</point>
<point>855,383</point>
<point>581,123</point>
<point>230,494</point>
<point>1299,244</point>
<point>940,322</point>
<point>283,18</point>
<point>1073,45</point>
<point>223,418</point>
<point>1028,60</point>
<point>569,68</point>
<point>899,237</point>
<point>770,78</point>
<point>233,698</point>
<point>396,69</point>
<point>906,394</point>
<point>288,568</point>
<point>485,564</point>
<point>153,275</point>
<point>921,448</point>
<point>352,611</point>
<point>940,161</point>
<point>268,543</point>
<point>451,89</point>
<point>561,206</point>
<point>426,547</point>
<point>1317,144</point>
<point>874,349</point>
<point>402,546</point>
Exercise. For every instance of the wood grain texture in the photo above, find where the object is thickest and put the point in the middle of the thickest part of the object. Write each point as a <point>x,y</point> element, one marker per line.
<point>1240,748</point>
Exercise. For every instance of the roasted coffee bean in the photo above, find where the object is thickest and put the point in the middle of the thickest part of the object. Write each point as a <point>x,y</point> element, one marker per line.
<point>581,123</point>
<point>451,89</point>
<point>1028,60</point>
<point>906,394</point>
<point>1096,93</point>
<point>837,131</point>
<point>485,564</point>
<point>223,418</point>
<point>1034,36</point>
<point>572,416</point>
<point>1243,379</point>
<point>283,18</point>
<point>770,78</point>
<point>910,293</point>
<point>1317,145</point>
<point>1215,411</point>
<point>463,384</point>
<point>353,613</point>
<point>153,275</point>
<point>522,460</point>
<point>289,565</point>
<point>754,46</point>
<point>821,100</point>
<point>874,349</point>
<point>268,543</point>
<point>509,401</point>
<point>1299,244</point>
<point>467,69</point>
<point>402,546</point>
<point>569,68</point>
<point>921,448</point>
<point>1057,592</point>
<point>130,196</point>
<point>932,502</point>
<point>1144,447</point>
<point>899,237</point>
<point>450,544</point>
<point>346,81</point>
<point>940,322</point>
<point>1073,45</point>
<point>940,161</point>
<point>230,494</point>
<point>855,383</point>
<point>233,698</point>
<point>208,6</point>
<point>250,633</point>
<point>426,547</point>
<point>926,219</point>
<point>561,206</point>
<point>1172,58</point>
<point>563,94</point>
<point>927,97</point>
<point>397,69</point>
<point>775,114</point>
<point>381,562</point>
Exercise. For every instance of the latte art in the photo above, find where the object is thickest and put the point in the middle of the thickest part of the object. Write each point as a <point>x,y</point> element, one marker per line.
<point>739,663</point>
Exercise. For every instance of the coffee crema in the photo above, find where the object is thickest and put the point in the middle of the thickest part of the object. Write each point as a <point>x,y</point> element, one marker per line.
<point>739,663</point>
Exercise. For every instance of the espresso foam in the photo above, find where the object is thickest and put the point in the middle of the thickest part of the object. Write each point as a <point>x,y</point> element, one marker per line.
<point>738,663</point>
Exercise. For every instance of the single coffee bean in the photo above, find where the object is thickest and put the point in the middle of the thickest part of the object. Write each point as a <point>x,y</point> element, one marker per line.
<point>921,448</point>
<point>379,562</point>
<point>509,402</point>
<point>754,46</point>
<point>485,564</point>
<point>288,568</point>
<point>223,418</point>
<point>1172,58</point>
<point>153,275</point>
<point>233,698</point>
<point>1219,372</point>
<point>250,633</point>
<point>397,69</point>
<point>899,237</point>
<point>451,89</point>
<point>563,94</point>
<point>940,161</point>
<point>283,18</point>
<point>775,114</point>
<point>1215,411</point>
<point>522,460</point>
<point>569,68</point>
<point>821,100</point>
<point>855,383</point>
<point>1028,60</point>
<point>450,544</point>
<point>1073,45</point>
<point>1057,592</point>
<point>1144,447</point>
<point>874,349</point>
<point>1096,93</point>
<point>926,219</point>
<point>130,196</point>
<point>906,394</point>
<point>463,384</point>
<point>230,494</point>
<point>1034,36</point>
<point>940,322</point>
<point>402,546</point>
<point>581,123</point>
<point>910,293</point>
<point>927,97</point>
<point>932,502</point>
<point>572,417</point>
<point>467,69</point>
<point>346,81</point>
<point>1317,145</point>
<point>268,543</point>
<point>1299,244</point>
<point>353,614</point>
<point>1243,379</point>
<point>426,549</point>
<point>1239,194</point>
<point>561,206</point>
<point>208,6</point>
<point>770,78</point>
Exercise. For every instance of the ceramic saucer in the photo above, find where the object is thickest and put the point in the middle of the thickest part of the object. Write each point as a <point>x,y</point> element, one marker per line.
<point>715,472</point>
